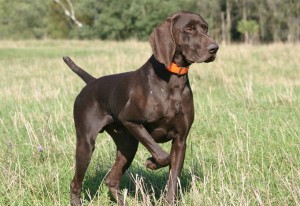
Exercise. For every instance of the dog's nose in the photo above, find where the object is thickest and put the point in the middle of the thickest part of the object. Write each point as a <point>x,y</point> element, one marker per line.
<point>213,48</point>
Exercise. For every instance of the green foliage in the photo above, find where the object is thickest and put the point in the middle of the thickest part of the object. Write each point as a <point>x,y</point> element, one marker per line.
<point>115,19</point>
<point>22,19</point>
<point>249,26</point>
<point>58,26</point>
<point>128,19</point>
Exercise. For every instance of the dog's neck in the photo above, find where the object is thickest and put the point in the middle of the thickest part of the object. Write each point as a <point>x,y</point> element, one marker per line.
<point>169,77</point>
<point>180,60</point>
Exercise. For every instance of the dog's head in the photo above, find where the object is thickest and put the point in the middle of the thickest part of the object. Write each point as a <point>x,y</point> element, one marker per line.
<point>183,33</point>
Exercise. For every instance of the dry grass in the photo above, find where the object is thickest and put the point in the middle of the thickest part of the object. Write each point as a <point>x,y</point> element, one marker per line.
<point>243,149</point>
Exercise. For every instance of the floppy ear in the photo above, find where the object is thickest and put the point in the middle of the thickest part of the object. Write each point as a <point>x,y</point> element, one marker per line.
<point>162,42</point>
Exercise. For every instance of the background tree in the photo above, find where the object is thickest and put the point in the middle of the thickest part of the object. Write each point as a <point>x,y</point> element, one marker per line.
<point>22,19</point>
<point>292,13</point>
<point>69,11</point>
<point>229,20</point>
<point>249,27</point>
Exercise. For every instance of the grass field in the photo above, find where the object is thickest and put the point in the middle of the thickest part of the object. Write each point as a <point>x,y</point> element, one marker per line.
<point>243,149</point>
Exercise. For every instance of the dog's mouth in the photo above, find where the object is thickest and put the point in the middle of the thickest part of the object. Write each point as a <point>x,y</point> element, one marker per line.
<point>199,59</point>
<point>190,61</point>
<point>210,59</point>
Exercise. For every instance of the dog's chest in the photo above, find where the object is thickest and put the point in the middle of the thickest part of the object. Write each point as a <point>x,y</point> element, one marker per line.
<point>164,105</point>
<point>164,113</point>
<point>173,109</point>
<point>165,126</point>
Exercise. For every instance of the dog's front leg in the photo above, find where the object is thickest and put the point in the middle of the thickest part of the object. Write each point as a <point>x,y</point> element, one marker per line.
<point>161,158</point>
<point>177,158</point>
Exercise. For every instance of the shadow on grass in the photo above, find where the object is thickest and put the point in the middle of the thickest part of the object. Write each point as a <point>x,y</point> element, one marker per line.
<point>153,181</point>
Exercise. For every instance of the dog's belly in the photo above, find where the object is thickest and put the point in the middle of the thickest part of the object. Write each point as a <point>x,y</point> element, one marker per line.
<point>161,135</point>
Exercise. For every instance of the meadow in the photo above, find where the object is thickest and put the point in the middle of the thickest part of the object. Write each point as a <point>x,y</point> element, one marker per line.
<point>243,148</point>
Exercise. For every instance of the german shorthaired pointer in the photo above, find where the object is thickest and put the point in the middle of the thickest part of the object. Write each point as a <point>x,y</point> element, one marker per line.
<point>151,105</point>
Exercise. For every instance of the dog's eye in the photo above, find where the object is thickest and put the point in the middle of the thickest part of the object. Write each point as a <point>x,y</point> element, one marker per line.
<point>190,28</point>
<point>204,27</point>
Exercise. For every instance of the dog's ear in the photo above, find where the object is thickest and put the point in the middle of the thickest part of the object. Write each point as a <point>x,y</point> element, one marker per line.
<point>162,42</point>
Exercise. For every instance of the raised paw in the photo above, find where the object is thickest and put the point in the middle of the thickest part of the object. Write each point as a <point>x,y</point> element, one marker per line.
<point>150,163</point>
<point>153,165</point>
<point>162,159</point>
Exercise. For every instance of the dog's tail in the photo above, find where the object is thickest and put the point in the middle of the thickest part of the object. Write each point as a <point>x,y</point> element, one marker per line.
<point>86,77</point>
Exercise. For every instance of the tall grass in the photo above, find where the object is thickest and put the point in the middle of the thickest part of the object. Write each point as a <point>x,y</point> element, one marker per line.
<point>243,149</point>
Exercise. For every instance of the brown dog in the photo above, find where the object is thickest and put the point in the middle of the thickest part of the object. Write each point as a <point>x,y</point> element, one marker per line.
<point>151,105</point>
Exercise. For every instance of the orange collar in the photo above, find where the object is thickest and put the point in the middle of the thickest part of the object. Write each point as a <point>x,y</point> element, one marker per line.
<point>174,68</point>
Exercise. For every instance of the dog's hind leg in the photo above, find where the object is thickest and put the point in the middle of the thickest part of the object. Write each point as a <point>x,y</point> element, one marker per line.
<point>88,123</point>
<point>84,150</point>
<point>126,149</point>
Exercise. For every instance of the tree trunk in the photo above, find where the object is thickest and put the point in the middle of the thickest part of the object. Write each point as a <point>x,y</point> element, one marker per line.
<point>69,12</point>
<point>228,21</point>
<point>223,27</point>
<point>246,35</point>
<point>262,23</point>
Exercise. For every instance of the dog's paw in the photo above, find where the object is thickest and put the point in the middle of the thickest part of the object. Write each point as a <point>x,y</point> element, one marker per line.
<point>75,201</point>
<point>163,159</point>
<point>153,165</point>
<point>150,163</point>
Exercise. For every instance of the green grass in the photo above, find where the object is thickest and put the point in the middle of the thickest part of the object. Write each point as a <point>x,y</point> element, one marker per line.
<point>243,149</point>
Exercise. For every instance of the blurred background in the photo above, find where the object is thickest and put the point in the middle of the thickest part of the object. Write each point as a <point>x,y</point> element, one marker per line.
<point>250,21</point>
